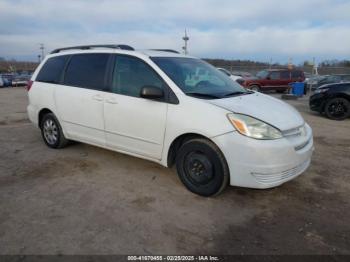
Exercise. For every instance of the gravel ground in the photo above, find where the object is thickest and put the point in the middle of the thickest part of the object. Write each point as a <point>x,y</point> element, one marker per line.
<point>87,200</point>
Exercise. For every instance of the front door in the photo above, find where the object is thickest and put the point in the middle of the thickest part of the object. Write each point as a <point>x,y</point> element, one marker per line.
<point>274,81</point>
<point>134,124</point>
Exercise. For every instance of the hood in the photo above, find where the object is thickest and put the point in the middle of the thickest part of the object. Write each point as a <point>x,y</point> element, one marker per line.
<point>251,78</point>
<point>266,108</point>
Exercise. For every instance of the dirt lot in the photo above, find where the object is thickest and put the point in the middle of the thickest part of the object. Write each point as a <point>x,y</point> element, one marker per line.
<point>86,200</point>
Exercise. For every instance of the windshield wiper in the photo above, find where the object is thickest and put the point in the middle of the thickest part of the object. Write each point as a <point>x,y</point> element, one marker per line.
<point>237,93</point>
<point>202,95</point>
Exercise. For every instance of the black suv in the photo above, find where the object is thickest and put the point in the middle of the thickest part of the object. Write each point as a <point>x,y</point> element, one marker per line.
<point>333,100</point>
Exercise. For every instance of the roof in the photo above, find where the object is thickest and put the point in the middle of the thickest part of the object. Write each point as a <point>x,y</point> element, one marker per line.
<point>118,49</point>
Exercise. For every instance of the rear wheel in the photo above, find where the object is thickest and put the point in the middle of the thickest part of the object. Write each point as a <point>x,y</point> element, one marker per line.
<point>255,88</point>
<point>51,132</point>
<point>202,167</point>
<point>337,108</point>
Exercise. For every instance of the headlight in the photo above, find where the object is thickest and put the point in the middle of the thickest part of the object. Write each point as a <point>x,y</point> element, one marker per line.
<point>252,127</point>
<point>321,90</point>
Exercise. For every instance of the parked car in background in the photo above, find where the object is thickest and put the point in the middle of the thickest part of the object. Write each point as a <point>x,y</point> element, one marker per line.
<point>146,104</point>
<point>273,79</point>
<point>330,79</point>
<point>333,100</point>
<point>6,81</point>
<point>312,81</point>
<point>229,74</point>
<point>21,80</point>
<point>307,76</point>
<point>242,74</point>
<point>9,77</point>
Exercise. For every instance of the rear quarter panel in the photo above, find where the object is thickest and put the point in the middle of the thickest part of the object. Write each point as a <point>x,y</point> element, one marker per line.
<point>41,96</point>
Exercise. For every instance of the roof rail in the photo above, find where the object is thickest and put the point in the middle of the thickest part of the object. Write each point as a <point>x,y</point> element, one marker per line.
<point>166,50</point>
<point>85,47</point>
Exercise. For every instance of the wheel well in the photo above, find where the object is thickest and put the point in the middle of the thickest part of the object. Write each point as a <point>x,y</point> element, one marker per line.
<point>42,113</point>
<point>177,143</point>
<point>340,95</point>
<point>254,84</point>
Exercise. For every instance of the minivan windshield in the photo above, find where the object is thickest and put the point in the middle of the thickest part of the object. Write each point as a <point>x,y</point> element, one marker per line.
<point>198,78</point>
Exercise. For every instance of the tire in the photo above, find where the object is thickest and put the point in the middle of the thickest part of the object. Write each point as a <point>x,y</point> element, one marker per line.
<point>202,168</point>
<point>51,132</point>
<point>337,108</point>
<point>255,88</point>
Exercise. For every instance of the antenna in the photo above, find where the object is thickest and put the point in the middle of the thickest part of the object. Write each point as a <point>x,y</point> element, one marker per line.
<point>186,39</point>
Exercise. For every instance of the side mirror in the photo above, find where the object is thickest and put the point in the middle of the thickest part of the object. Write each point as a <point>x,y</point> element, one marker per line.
<point>268,78</point>
<point>151,92</point>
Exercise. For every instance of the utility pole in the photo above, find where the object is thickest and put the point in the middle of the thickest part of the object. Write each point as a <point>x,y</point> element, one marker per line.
<point>314,72</point>
<point>42,51</point>
<point>314,69</point>
<point>290,63</point>
<point>186,39</point>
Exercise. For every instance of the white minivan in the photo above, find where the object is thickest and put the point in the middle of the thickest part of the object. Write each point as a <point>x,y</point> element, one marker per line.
<point>149,104</point>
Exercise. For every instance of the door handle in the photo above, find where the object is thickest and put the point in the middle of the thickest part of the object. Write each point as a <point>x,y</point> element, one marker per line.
<point>111,101</point>
<point>97,98</point>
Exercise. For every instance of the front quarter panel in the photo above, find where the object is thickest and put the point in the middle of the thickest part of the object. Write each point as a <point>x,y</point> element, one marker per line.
<point>194,116</point>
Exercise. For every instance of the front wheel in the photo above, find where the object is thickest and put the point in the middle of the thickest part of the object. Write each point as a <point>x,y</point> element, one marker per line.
<point>337,108</point>
<point>202,167</point>
<point>254,88</point>
<point>51,132</point>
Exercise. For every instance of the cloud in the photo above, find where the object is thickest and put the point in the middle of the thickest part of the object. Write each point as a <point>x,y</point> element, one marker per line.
<point>233,29</point>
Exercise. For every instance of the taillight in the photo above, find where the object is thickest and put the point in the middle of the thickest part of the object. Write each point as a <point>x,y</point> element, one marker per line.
<point>29,85</point>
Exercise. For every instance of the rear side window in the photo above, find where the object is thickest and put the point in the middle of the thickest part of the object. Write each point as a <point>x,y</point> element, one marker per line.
<point>52,70</point>
<point>87,71</point>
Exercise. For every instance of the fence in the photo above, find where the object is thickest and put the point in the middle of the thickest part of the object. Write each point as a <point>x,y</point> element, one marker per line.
<point>16,66</point>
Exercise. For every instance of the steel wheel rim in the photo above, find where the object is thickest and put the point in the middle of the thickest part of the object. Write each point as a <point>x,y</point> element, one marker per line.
<point>50,131</point>
<point>198,168</point>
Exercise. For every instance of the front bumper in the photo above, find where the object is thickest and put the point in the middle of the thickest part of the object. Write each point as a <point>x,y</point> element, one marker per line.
<point>265,163</point>
<point>317,102</point>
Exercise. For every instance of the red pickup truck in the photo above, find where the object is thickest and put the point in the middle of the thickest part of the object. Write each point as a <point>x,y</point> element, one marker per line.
<point>272,79</point>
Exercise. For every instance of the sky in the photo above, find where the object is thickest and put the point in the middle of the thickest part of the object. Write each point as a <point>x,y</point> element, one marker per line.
<point>260,30</point>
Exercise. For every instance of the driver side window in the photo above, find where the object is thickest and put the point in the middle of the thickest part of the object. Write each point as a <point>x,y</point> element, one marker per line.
<point>131,74</point>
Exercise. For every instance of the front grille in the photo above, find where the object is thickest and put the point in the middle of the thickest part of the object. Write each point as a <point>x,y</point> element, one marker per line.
<point>280,176</point>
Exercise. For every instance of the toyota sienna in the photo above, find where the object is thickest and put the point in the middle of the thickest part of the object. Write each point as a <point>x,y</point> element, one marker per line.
<point>151,104</point>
